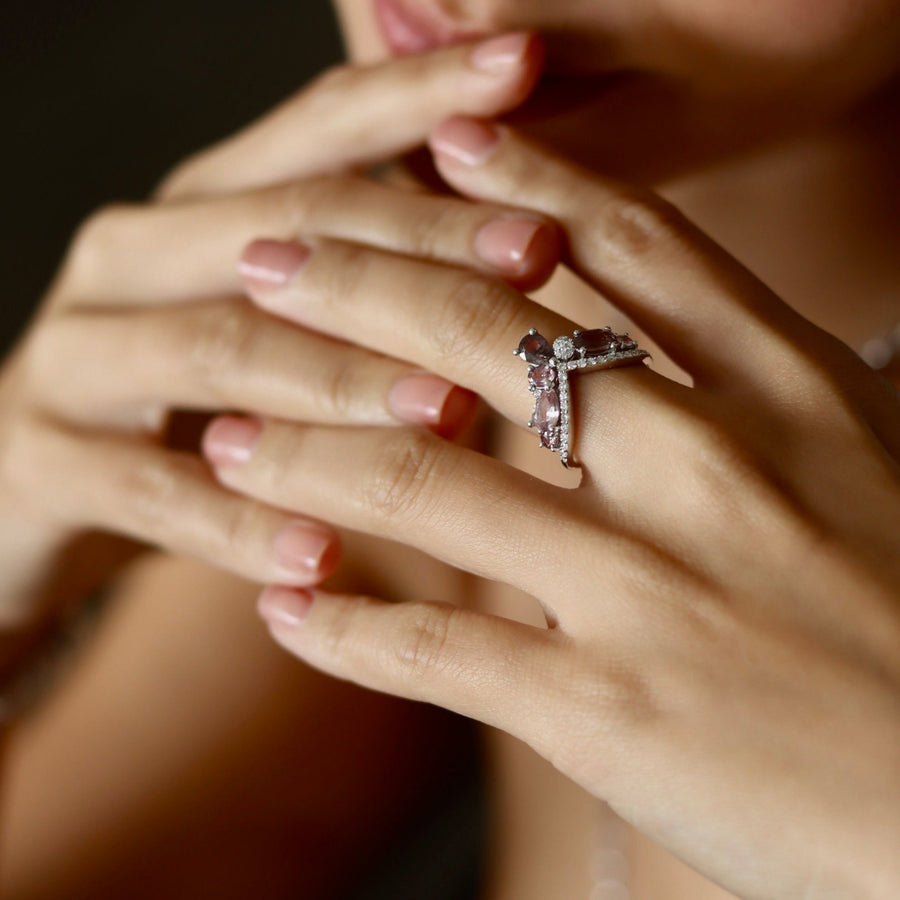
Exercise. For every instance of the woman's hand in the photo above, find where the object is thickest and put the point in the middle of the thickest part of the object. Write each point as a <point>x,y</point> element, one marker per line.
<point>147,315</point>
<point>722,590</point>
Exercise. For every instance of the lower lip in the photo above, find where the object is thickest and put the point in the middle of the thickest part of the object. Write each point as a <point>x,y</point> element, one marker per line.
<point>407,30</point>
<point>404,33</point>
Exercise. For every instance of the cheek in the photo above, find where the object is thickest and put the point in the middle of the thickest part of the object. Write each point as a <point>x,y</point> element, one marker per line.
<point>814,29</point>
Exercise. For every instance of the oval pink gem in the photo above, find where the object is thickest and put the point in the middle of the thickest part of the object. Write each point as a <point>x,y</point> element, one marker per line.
<point>546,411</point>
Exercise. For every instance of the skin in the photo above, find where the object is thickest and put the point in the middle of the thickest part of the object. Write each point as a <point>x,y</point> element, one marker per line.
<point>89,473</point>
<point>580,228</point>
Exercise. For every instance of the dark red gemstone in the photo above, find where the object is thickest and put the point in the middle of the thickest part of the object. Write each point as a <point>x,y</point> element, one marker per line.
<point>535,348</point>
<point>542,376</point>
<point>546,411</point>
<point>595,341</point>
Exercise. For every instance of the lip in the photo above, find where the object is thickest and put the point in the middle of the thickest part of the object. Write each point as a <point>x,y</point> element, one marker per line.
<point>408,29</point>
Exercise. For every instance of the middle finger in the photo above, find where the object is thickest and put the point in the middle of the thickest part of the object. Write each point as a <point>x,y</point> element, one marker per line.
<point>133,254</point>
<point>452,321</point>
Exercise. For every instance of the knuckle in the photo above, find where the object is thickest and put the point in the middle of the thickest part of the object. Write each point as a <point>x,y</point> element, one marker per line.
<point>152,489</point>
<point>221,344</point>
<point>344,394</point>
<point>475,305</point>
<point>722,460</point>
<point>400,479</point>
<point>20,454</point>
<point>636,222</point>
<point>427,230</point>
<point>243,527</point>
<point>605,701</point>
<point>424,646</point>
<point>97,236</point>
<point>179,181</point>
<point>339,283</point>
<point>327,91</point>
<point>300,204</point>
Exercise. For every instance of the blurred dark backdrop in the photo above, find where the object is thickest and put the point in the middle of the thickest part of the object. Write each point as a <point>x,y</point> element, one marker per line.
<point>101,97</point>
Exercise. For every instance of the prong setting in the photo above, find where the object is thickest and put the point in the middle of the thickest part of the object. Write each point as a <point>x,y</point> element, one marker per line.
<point>548,377</point>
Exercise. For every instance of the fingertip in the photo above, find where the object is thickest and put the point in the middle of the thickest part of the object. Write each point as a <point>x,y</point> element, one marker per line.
<point>457,414</point>
<point>283,607</point>
<point>463,140</point>
<point>541,258</point>
<point>522,248</point>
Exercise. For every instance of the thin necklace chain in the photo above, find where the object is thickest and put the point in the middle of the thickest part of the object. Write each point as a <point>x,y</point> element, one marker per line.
<point>608,859</point>
<point>883,350</point>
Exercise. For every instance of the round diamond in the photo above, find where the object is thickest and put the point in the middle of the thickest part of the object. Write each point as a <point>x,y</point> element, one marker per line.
<point>564,347</point>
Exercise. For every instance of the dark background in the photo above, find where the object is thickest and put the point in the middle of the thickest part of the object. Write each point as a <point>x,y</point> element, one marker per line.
<point>101,97</point>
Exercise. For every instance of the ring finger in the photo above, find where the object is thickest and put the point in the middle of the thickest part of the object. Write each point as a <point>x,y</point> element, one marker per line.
<point>459,324</point>
<point>231,355</point>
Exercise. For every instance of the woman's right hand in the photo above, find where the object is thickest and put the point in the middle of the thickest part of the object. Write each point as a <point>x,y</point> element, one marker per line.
<point>146,315</point>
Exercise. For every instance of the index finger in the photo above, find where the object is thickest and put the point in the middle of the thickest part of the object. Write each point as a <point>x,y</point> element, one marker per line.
<point>355,115</point>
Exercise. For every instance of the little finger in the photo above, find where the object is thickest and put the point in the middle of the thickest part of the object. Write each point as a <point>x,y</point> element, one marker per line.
<point>130,486</point>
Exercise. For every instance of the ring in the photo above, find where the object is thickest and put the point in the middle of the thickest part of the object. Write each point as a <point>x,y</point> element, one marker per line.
<point>548,377</point>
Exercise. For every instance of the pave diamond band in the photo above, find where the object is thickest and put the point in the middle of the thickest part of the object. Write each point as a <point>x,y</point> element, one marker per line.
<point>548,377</point>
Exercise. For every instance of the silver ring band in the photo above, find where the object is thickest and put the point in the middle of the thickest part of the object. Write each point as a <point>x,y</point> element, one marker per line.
<point>549,367</point>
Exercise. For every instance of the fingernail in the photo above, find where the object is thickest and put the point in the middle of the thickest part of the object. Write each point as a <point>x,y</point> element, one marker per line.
<point>500,55</point>
<point>230,439</point>
<point>279,605</point>
<point>267,264</point>
<point>512,244</point>
<point>420,397</point>
<point>306,549</point>
<point>469,141</point>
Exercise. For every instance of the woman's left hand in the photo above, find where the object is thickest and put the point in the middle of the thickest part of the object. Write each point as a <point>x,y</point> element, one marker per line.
<point>722,590</point>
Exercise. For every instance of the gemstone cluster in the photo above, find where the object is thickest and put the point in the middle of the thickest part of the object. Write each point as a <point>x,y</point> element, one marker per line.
<point>548,376</point>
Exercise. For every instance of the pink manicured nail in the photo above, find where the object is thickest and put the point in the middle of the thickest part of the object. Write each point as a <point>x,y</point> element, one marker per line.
<point>266,264</point>
<point>419,398</point>
<point>426,399</point>
<point>508,244</point>
<point>283,606</point>
<point>469,141</point>
<point>230,439</point>
<point>500,55</point>
<point>306,549</point>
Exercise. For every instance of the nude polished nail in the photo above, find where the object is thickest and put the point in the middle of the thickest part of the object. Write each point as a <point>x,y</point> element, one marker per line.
<point>500,55</point>
<point>229,440</point>
<point>513,245</point>
<point>283,606</point>
<point>306,549</point>
<point>266,264</point>
<point>427,399</point>
<point>465,140</point>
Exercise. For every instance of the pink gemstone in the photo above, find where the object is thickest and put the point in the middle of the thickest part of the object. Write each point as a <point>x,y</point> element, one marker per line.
<point>627,343</point>
<point>535,348</point>
<point>595,341</point>
<point>542,376</point>
<point>546,411</point>
<point>550,440</point>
